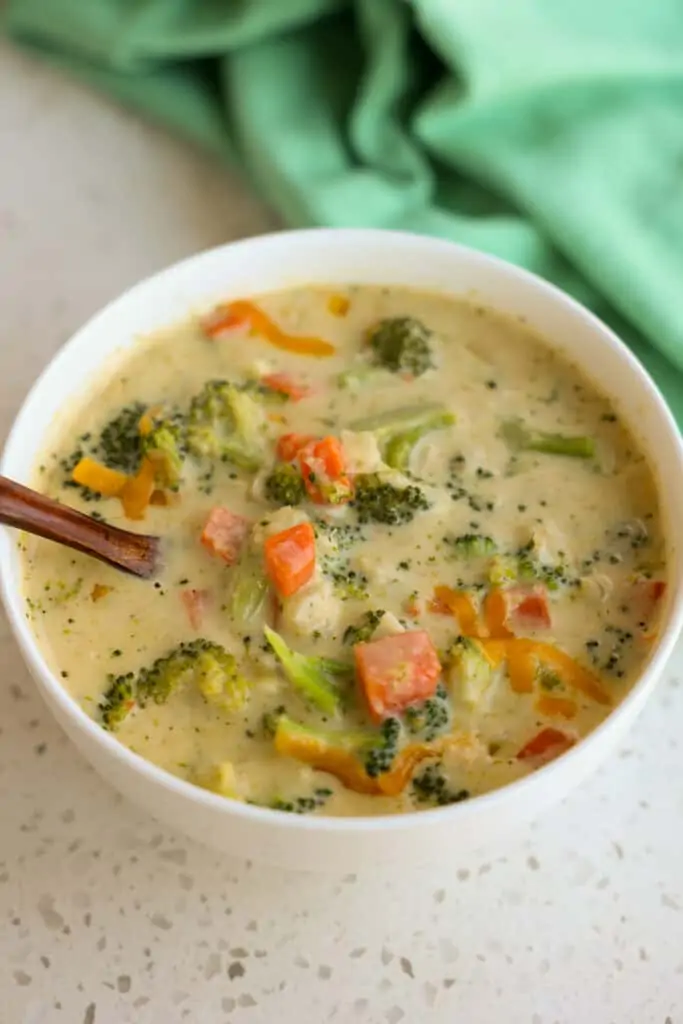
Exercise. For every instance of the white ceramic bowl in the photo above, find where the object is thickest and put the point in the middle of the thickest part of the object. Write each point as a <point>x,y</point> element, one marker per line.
<point>341,257</point>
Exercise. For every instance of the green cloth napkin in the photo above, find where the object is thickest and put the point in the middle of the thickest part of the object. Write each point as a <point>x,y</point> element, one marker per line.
<point>547,132</point>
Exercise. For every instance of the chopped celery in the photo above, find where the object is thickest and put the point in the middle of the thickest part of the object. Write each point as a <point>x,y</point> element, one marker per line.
<point>472,545</point>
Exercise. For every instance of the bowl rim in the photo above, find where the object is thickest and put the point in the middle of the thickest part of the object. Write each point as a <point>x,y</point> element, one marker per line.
<point>12,599</point>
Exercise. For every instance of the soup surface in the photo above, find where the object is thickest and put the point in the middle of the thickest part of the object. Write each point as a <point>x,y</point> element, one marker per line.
<point>410,554</point>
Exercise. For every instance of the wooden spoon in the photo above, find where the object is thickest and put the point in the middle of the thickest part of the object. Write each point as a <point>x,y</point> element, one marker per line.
<point>27,510</point>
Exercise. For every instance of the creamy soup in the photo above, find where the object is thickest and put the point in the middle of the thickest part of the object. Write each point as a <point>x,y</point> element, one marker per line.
<point>410,554</point>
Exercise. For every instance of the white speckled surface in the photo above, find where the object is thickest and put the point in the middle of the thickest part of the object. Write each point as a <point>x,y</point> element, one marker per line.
<point>106,919</point>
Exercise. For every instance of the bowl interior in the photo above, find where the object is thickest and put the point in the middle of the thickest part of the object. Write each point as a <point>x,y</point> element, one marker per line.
<point>342,257</point>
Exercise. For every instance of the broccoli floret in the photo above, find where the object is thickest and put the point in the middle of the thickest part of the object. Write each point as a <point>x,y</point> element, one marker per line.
<point>431,787</point>
<point>380,757</point>
<point>216,675</point>
<point>118,700</point>
<point>523,438</point>
<point>227,423</point>
<point>363,631</point>
<point>380,502</point>
<point>200,662</point>
<point>429,717</point>
<point>402,345</point>
<point>472,545</point>
<point>204,664</point>
<point>285,485</point>
<point>166,446</point>
<point>316,679</point>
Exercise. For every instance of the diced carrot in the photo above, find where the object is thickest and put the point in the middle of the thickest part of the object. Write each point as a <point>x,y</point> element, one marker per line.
<point>322,468</point>
<point>459,603</point>
<point>496,610</point>
<point>99,591</point>
<point>553,707</point>
<point>530,609</point>
<point>289,445</point>
<point>222,318</point>
<point>290,558</point>
<point>224,534</point>
<point>338,305</point>
<point>397,671</point>
<point>195,603</point>
<point>286,385</point>
<point>412,607</point>
<point>96,477</point>
<point>137,491</point>
<point>546,745</point>
<point>526,607</point>
<point>237,313</point>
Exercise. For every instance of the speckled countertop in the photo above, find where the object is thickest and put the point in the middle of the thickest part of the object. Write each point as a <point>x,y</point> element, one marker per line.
<point>104,917</point>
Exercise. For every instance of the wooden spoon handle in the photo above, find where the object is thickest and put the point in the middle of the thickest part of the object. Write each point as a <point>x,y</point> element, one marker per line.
<point>28,510</point>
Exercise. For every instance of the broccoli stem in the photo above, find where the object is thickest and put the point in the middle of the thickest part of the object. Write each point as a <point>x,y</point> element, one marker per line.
<point>519,436</point>
<point>314,678</point>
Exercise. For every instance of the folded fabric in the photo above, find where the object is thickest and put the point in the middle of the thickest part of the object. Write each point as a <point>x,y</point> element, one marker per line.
<point>546,132</point>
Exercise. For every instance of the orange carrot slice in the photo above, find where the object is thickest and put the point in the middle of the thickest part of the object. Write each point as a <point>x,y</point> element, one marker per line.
<point>242,311</point>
